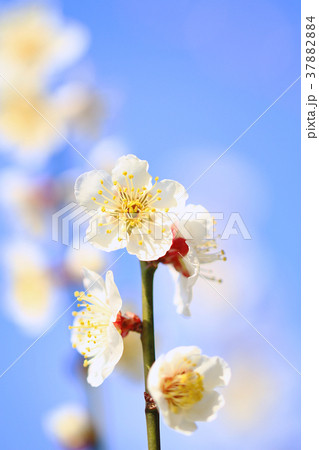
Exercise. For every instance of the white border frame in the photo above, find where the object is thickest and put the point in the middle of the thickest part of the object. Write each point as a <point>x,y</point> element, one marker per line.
<point>309,244</point>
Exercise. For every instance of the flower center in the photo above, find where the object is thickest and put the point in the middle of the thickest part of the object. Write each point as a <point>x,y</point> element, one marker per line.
<point>133,206</point>
<point>183,390</point>
<point>128,205</point>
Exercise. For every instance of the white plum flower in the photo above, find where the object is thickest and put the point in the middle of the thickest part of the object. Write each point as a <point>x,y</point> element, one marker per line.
<point>182,383</point>
<point>35,41</point>
<point>193,247</point>
<point>94,333</point>
<point>71,426</point>
<point>131,212</point>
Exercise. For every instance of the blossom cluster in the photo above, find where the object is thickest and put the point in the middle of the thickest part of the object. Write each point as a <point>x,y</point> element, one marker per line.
<point>129,210</point>
<point>36,46</point>
<point>43,105</point>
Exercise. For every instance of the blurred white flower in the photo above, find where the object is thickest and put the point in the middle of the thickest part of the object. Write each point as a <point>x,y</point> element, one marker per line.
<point>70,425</point>
<point>131,211</point>
<point>88,256</point>
<point>29,200</point>
<point>35,41</point>
<point>32,294</point>
<point>131,363</point>
<point>84,107</point>
<point>256,388</point>
<point>187,255</point>
<point>30,126</point>
<point>182,384</point>
<point>94,333</point>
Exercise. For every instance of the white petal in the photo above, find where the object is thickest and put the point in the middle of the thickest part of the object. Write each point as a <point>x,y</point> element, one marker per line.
<point>99,238</point>
<point>184,288</point>
<point>197,209</point>
<point>199,225</point>
<point>133,166</point>
<point>164,367</point>
<point>155,373</point>
<point>87,186</point>
<point>173,194</point>
<point>94,283</point>
<point>174,356</point>
<point>180,423</point>
<point>103,365</point>
<point>205,410</point>
<point>152,248</point>
<point>113,295</point>
<point>215,371</point>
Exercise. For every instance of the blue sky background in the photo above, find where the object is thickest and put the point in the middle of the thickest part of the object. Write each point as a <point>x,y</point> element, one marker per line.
<point>184,79</point>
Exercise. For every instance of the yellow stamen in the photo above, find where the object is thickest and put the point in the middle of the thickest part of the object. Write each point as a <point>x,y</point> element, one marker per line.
<point>183,390</point>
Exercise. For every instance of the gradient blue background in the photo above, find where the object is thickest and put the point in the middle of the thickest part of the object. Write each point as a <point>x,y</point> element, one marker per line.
<point>188,78</point>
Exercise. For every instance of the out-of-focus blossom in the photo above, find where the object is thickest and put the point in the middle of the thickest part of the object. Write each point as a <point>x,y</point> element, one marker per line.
<point>31,124</point>
<point>84,107</point>
<point>94,333</point>
<point>70,425</point>
<point>75,259</point>
<point>32,294</point>
<point>131,363</point>
<point>131,211</point>
<point>254,391</point>
<point>188,255</point>
<point>35,41</point>
<point>29,200</point>
<point>182,383</point>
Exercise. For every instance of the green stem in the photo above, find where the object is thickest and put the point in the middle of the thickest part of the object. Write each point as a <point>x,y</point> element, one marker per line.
<point>148,344</point>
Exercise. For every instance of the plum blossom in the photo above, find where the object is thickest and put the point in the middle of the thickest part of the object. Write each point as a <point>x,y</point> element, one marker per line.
<point>99,327</point>
<point>182,383</point>
<point>131,211</point>
<point>94,333</point>
<point>188,256</point>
